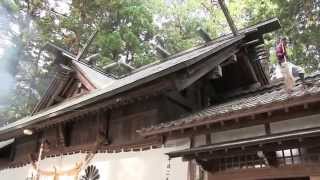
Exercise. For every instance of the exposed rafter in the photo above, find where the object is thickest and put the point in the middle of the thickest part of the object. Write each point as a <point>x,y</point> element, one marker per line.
<point>162,52</point>
<point>193,74</point>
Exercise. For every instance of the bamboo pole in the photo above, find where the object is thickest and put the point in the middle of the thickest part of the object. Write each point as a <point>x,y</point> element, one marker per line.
<point>37,177</point>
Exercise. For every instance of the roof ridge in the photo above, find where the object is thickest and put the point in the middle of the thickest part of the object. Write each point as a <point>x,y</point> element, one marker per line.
<point>96,68</point>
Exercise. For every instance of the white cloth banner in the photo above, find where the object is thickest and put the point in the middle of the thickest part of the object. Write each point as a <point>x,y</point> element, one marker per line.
<point>143,165</point>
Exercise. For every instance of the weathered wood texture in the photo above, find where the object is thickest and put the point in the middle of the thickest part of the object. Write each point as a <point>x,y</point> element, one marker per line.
<point>288,172</point>
<point>24,146</point>
<point>83,131</point>
<point>236,75</point>
<point>126,121</point>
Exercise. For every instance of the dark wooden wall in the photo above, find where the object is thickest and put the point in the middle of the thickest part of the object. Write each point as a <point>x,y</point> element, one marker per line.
<point>237,75</point>
<point>25,146</point>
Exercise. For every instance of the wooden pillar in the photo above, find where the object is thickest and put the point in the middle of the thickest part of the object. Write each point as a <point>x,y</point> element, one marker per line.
<point>61,135</point>
<point>107,116</point>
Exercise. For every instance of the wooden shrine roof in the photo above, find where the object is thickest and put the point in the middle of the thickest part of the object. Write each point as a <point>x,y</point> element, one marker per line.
<point>246,104</point>
<point>116,86</point>
<point>122,84</point>
<point>98,79</point>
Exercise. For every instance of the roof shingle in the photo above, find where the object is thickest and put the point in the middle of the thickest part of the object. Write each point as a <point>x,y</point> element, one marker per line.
<point>247,101</point>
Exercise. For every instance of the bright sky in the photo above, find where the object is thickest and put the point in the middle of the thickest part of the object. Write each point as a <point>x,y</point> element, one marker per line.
<point>60,6</point>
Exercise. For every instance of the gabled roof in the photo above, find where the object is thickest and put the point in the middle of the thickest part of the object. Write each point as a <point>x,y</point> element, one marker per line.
<point>175,63</point>
<point>243,105</point>
<point>90,79</point>
<point>98,79</point>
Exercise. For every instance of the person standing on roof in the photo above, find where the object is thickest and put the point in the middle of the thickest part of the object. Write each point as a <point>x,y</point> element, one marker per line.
<point>281,50</point>
<point>282,56</point>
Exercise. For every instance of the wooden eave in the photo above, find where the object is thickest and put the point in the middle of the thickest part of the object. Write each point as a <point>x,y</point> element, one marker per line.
<point>125,98</point>
<point>258,143</point>
<point>205,119</point>
<point>59,81</point>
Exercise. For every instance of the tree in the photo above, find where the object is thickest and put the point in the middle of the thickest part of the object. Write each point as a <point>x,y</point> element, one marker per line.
<point>125,29</point>
<point>19,60</point>
<point>128,31</point>
<point>300,23</point>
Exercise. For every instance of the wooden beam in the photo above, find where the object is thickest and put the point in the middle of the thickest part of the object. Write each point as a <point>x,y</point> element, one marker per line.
<point>204,35</point>
<point>162,52</point>
<point>228,17</point>
<point>233,59</point>
<point>267,128</point>
<point>249,67</point>
<point>253,42</point>
<point>109,66</point>
<point>58,89</point>
<point>216,73</point>
<point>61,135</point>
<point>192,75</point>
<point>86,46</point>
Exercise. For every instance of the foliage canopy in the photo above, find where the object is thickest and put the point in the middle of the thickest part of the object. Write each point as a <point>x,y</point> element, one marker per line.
<point>128,32</point>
